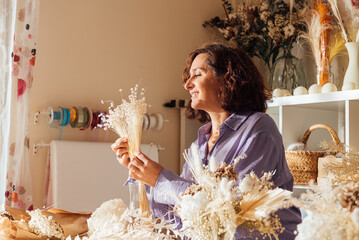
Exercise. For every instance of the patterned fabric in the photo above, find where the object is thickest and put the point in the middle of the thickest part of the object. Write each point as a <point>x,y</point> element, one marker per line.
<point>22,27</point>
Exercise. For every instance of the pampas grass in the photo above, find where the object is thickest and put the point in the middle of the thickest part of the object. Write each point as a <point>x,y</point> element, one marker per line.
<point>314,30</point>
<point>336,45</point>
<point>335,10</point>
<point>351,20</point>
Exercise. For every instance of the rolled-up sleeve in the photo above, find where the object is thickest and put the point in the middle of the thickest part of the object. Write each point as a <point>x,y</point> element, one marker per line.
<point>169,186</point>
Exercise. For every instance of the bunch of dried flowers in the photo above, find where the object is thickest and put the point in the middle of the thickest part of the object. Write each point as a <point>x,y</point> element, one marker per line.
<point>343,171</point>
<point>44,226</point>
<point>333,212</point>
<point>126,120</point>
<point>216,205</point>
<point>112,220</point>
<point>261,27</point>
<point>346,16</point>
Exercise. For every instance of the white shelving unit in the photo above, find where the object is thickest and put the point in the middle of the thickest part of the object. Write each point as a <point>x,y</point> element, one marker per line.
<point>295,114</point>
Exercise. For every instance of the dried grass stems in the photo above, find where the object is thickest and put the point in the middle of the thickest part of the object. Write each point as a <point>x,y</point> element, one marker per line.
<point>346,170</point>
<point>347,19</point>
<point>336,45</point>
<point>313,35</point>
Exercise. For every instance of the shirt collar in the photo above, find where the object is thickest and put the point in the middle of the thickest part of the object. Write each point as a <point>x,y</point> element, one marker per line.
<point>234,121</point>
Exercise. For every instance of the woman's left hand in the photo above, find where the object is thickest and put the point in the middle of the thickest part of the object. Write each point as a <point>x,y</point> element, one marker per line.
<point>142,168</point>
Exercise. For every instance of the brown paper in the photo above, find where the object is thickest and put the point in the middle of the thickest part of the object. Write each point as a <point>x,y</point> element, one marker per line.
<point>72,223</point>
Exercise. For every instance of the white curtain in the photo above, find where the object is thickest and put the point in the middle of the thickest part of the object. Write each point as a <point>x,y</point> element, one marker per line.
<point>19,22</point>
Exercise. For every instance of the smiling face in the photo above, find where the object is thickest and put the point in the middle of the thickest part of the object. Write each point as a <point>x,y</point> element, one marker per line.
<point>203,86</point>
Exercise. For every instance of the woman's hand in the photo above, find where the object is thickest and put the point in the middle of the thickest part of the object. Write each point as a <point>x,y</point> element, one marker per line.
<point>142,168</point>
<point>120,147</point>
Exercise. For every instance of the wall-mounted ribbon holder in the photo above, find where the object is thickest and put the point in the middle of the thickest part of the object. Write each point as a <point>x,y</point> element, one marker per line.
<point>84,118</point>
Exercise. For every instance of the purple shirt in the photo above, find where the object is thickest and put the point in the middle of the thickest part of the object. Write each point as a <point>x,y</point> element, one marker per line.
<point>252,133</point>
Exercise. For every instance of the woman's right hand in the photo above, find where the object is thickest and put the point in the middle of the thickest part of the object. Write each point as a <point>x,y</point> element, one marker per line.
<point>120,147</point>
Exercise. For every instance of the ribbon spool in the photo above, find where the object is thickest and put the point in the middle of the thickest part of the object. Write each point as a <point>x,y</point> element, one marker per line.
<point>82,117</point>
<point>89,116</point>
<point>65,117</point>
<point>55,118</point>
<point>72,114</point>
<point>95,119</point>
<point>50,115</point>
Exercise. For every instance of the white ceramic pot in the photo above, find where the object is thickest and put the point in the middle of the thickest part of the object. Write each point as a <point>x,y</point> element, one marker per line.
<point>352,73</point>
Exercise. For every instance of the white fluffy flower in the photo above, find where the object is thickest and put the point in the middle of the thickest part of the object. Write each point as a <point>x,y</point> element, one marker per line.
<point>246,185</point>
<point>224,190</point>
<point>107,218</point>
<point>192,206</point>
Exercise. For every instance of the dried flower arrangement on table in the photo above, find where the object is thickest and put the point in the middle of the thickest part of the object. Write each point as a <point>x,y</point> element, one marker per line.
<point>345,168</point>
<point>211,209</point>
<point>333,212</point>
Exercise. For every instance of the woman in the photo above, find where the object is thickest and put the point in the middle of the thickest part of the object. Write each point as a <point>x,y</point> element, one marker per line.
<point>226,91</point>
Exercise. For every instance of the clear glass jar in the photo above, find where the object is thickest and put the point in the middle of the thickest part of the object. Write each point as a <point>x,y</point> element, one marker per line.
<point>287,73</point>
<point>134,191</point>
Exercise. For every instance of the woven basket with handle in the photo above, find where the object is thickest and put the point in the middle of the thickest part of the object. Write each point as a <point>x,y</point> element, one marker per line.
<point>304,164</point>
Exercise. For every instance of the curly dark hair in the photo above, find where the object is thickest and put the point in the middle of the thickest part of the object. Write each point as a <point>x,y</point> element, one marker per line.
<point>242,89</point>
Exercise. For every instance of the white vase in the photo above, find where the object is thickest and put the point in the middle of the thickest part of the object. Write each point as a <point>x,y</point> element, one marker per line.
<point>351,78</point>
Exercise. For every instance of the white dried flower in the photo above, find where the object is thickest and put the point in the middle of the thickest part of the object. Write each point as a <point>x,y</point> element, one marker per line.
<point>106,219</point>
<point>44,226</point>
<point>246,185</point>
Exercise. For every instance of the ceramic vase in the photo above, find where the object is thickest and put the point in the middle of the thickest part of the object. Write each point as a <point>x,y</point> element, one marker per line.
<point>351,77</point>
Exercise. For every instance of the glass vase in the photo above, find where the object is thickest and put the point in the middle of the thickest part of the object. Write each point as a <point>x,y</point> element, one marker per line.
<point>287,73</point>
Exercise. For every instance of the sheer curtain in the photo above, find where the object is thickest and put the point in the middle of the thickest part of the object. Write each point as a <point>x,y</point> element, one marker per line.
<point>18,34</point>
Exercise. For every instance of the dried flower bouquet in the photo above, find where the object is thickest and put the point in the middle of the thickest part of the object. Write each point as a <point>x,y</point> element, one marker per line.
<point>261,27</point>
<point>215,206</point>
<point>333,212</point>
<point>343,171</point>
<point>126,120</point>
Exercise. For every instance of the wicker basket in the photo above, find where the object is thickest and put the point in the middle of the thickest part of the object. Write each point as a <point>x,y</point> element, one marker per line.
<point>304,164</point>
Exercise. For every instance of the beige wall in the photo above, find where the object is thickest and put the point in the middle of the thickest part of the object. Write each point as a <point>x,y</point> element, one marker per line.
<point>88,49</point>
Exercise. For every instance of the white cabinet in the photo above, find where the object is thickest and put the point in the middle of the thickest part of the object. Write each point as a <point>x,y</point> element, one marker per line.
<point>295,114</point>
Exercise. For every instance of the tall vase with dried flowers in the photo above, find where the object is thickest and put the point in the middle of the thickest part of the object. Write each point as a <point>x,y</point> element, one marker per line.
<point>126,120</point>
<point>346,16</point>
<point>325,19</point>
<point>313,35</point>
<point>261,27</point>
